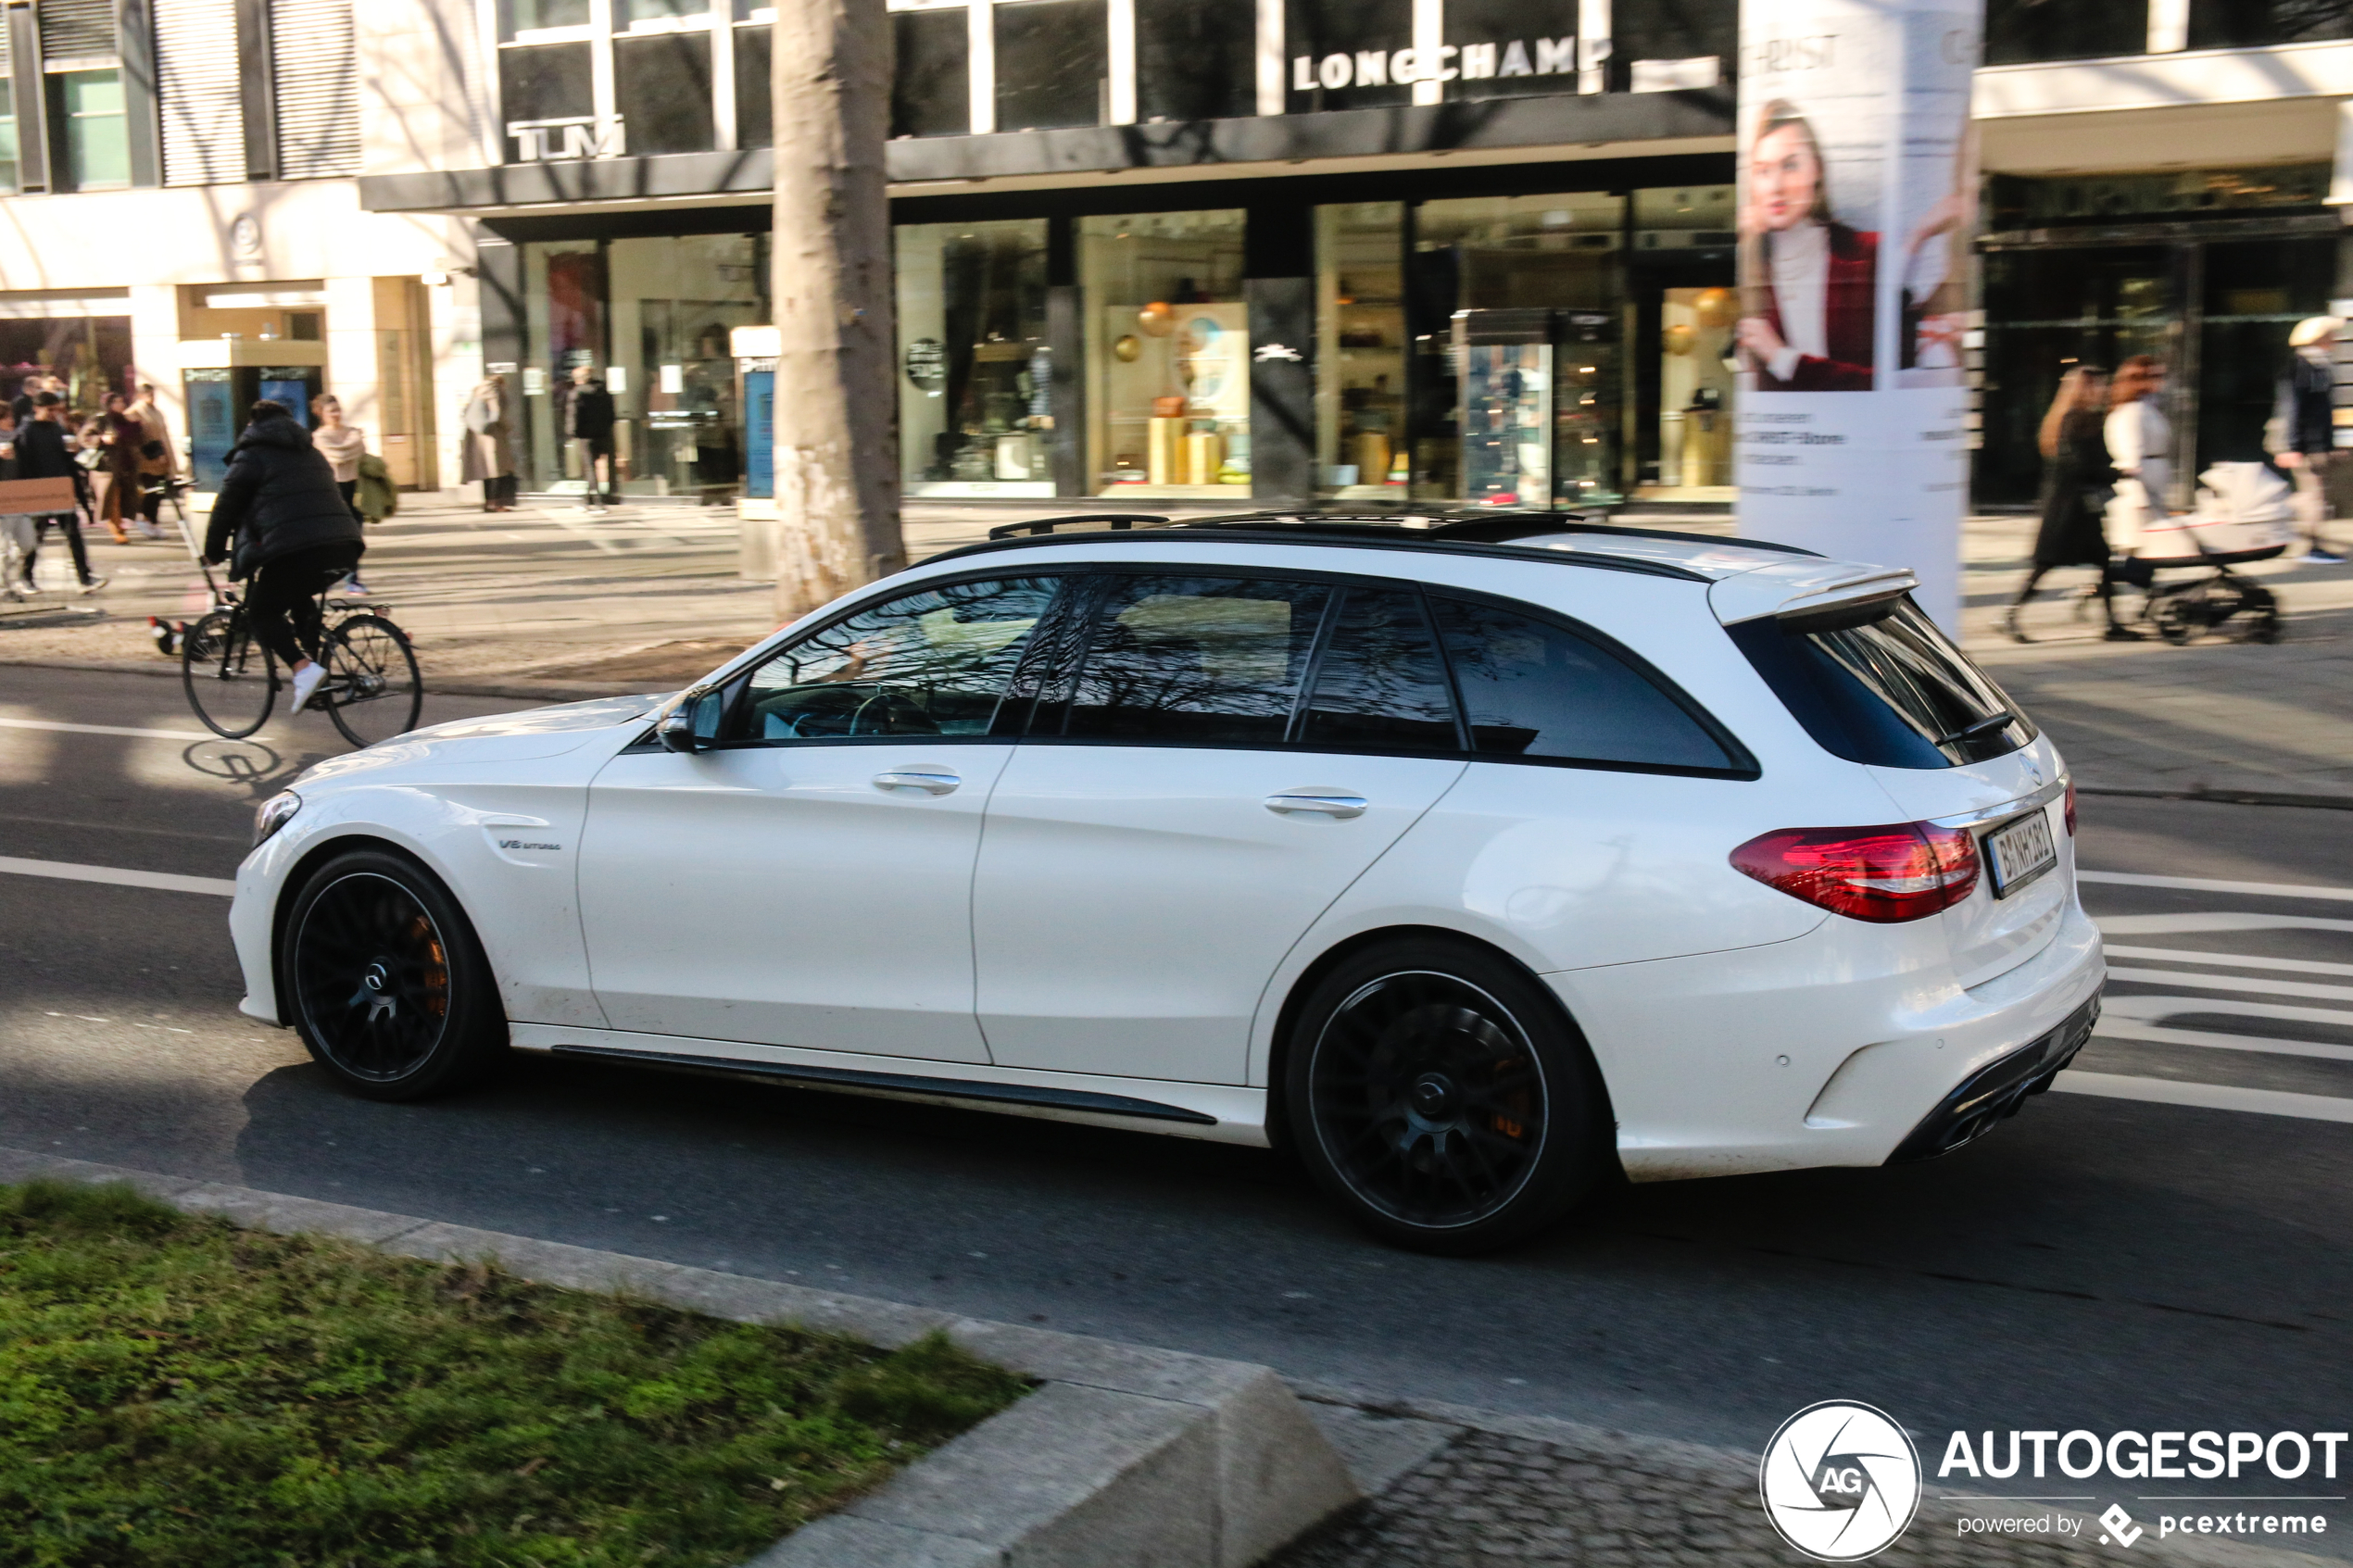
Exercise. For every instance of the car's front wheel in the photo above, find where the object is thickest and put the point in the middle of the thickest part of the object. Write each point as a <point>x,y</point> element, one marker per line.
<point>387,983</point>
<point>1442,1095</point>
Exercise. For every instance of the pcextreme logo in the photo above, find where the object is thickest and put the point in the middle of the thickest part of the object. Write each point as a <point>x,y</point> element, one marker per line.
<point>1840,1481</point>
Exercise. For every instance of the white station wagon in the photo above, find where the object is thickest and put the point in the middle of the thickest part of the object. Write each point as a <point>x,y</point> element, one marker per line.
<point>1465,858</point>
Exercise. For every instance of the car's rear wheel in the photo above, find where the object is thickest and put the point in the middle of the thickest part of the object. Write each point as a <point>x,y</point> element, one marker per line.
<point>387,982</point>
<point>1441,1094</point>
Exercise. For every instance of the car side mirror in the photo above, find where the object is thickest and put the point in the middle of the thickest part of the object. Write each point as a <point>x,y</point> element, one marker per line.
<point>694,724</point>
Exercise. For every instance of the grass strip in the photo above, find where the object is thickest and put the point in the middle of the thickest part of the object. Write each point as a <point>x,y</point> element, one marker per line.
<point>176,1391</point>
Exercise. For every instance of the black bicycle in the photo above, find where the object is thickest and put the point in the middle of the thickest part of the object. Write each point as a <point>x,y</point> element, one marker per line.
<point>372,689</point>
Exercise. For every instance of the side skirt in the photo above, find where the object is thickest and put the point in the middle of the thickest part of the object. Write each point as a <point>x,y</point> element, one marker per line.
<point>1221,1113</point>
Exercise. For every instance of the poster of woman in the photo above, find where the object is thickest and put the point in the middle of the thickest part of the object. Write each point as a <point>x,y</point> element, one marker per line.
<point>1809,282</point>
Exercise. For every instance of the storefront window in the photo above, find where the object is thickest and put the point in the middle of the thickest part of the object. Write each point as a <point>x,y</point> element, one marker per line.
<point>1680,279</point>
<point>2021,32</point>
<point>1168,353</point>
<point>931,71</point>
<point>2048,309</point>
<point>1360,362</point>
<point>91,352</point>
<point>1052,56</point>
<point>674,301</point>
<point>661,85</point>
<point>565,326</point>
<point>974,369</point>
<point>1343,53</point>
<point>1196,59</point>
<point>1515,310</point>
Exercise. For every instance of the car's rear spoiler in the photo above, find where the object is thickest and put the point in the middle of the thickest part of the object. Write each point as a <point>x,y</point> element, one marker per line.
<point>1806,586</point>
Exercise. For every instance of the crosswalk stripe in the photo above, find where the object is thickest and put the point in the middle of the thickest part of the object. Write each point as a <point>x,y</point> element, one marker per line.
<point>2233,983</point>
<point>118,876</point>
<point>2272,1044</point>
<point>2205,1097</point>
<point>2204,885</point>
<point>106,730</point>
<point>2230,960</point>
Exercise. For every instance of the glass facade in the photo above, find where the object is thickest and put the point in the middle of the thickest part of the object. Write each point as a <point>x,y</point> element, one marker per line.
<point>2022,32</point>
<point>651,318</point>
<point>1168,353</point>
<point>1361,450</point>
<point>90,121</point>
<point>974,368</point>
<point>91,352</point>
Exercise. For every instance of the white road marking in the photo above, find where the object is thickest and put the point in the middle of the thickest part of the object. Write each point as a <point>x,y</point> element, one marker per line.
<point>2203,885</point>
<point>2234,920</point>
<point>2231,960</point>
<point>2235,983</point>
<point>2207,1097</point>
<point>118,876</point>
<point>106,730</point>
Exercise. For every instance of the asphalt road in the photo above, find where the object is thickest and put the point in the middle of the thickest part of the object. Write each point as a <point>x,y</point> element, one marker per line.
<point>2099,1263</point>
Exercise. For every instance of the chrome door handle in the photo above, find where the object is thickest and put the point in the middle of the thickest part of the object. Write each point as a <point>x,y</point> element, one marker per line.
<point>1323,802</point>
<point>929,781</point>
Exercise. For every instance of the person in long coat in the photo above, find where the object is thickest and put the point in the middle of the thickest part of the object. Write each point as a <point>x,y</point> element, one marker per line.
<point>2078,480</point>
<point>488,454</point>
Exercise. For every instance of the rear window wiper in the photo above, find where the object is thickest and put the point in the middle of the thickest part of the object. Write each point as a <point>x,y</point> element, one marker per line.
<point>1999,721</point>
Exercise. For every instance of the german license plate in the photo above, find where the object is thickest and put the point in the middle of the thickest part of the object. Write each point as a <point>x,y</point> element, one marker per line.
<point>2021,852</point>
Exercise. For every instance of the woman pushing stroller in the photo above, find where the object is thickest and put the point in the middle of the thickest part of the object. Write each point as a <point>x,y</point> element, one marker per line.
<point>2091,426</point>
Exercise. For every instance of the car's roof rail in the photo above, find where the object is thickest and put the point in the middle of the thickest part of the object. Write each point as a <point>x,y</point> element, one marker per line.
<point>1115,520</point>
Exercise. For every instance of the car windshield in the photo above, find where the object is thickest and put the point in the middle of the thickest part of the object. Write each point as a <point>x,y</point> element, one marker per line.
<point>1882,684</point>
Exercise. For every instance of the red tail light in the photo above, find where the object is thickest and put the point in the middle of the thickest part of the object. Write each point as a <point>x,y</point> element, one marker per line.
<point>2070,807</point>
<point>1903,872</point>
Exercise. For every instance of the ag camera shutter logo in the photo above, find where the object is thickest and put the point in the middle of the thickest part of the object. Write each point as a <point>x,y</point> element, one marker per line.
<point>1840,1481</point>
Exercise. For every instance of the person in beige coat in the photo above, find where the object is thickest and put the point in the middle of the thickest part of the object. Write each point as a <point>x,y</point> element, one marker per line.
<point>489,452</point>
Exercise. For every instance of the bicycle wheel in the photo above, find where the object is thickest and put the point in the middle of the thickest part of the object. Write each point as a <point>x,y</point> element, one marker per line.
<point>372,691</point>
<point>230,678</point>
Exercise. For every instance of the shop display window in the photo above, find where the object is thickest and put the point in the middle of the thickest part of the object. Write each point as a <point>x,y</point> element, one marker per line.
<point>974,368</point>
<point>931,72</point>
<point>675,302</point>
<point>1167,348</point>
<point>1344,54</point>
<point>1361,452</point>
<point>1518,383</point>
<point>1196,59</point>
<point>1682,279</point>
<point>563,326</point>
<point>93,353</point>
<point>1052,60</point>
<point>661,87</point>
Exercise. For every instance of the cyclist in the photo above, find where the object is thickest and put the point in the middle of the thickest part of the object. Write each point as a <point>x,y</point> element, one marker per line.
<point>294,533</point>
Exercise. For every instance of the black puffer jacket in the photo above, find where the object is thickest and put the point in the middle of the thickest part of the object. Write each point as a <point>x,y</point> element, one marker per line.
<point>279,496</point>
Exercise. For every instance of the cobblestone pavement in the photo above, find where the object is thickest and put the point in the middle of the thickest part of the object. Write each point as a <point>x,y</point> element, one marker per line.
<point>1516,1500</point>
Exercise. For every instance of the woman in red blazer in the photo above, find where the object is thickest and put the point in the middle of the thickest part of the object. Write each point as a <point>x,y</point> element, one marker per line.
<point>1810,282</point>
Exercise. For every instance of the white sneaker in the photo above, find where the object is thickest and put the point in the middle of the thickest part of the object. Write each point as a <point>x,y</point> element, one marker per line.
<point>306,683</point>
<point>355,588</point>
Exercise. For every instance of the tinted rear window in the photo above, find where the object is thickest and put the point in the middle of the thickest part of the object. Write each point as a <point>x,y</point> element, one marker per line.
<point>1884,687</point>
<point>1534,689</point>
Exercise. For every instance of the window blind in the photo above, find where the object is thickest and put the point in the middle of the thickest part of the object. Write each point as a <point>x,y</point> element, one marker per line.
<point>77,30</point>
<point>318,88</point>
<point>203,132</point>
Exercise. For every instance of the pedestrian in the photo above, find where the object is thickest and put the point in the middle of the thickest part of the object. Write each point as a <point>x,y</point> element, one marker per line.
<point>110,442</point>
<point>589,424</point>
<point>157,461</point>
<point>2078,484</point>
<point>342,446</point>
<point>19,536</point>
<point>2140,444</point>
<point>489,454</point>
<point>2307,423</point>
<point>292,532</point>
<point>42,452</point>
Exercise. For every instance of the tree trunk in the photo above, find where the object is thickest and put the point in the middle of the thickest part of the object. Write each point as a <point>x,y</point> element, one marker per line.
<point>837,465</point>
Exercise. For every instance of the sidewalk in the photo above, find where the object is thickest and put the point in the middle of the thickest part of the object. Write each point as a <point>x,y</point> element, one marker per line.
<point>553,602</point>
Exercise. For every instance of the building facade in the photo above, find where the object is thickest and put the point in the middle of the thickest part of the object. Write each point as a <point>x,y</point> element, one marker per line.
<point>1146,250</point>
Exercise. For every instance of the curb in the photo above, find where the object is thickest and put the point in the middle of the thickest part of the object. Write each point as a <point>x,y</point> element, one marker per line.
<point>1124,1457</point>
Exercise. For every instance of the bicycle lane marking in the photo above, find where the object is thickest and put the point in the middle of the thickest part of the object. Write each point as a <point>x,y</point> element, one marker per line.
<point>118,876</point>
<point>106,730</point>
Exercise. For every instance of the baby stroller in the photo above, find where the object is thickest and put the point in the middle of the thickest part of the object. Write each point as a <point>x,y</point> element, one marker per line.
<point>2244,514</point>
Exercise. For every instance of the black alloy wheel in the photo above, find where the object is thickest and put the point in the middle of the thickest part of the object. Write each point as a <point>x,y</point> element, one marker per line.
<point>1441,1094</point>
<point>387,984</point>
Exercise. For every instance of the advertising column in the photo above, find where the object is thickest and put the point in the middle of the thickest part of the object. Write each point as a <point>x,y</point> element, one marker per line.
<point>1858,196</point>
